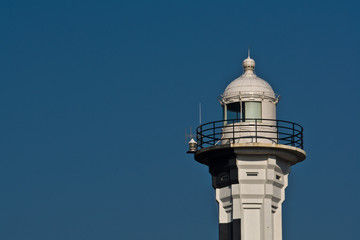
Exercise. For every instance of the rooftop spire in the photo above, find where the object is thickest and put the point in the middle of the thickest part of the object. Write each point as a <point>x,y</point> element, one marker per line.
<point>248,64</point>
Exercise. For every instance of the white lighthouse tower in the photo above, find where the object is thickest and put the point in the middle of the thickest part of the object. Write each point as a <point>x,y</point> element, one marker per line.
<point>249,154</point>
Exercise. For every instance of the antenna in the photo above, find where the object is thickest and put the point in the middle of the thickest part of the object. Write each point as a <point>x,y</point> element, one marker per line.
<point>189,135</point>
<point>249,52</point>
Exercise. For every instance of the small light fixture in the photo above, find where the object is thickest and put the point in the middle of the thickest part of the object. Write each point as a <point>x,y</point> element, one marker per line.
<point>192,146</point>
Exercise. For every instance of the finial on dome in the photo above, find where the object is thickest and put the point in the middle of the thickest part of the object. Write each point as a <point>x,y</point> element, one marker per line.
<point>249,64</point>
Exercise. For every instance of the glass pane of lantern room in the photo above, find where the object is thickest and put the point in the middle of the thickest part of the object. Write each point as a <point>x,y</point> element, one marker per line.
<point>233,111</point>
<point>252,110</point>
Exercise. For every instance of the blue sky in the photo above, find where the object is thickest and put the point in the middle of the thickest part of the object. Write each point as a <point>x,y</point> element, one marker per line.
<point>95,97</point>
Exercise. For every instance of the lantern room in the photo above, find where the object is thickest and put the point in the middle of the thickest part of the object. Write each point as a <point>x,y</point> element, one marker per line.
<point>249,116</point>
<point>249,97</point>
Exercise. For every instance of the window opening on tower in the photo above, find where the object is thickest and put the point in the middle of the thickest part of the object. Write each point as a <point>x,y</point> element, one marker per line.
<point>251,110</point>
<point>246,111</point>
<point>252,174</point>
<point>233,111</point>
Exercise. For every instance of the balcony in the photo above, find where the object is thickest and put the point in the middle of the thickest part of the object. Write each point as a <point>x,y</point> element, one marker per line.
<point>249,130</point>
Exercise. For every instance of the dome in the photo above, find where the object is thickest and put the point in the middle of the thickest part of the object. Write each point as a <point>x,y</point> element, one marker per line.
<point>248,85</point>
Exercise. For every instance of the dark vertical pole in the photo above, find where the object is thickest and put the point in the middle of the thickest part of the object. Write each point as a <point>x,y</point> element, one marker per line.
<point>201,137</point>
<point>277,131</point>
<point>233,131</point>
<point>214,132</point>
<point>301,140</point>
<point>293,133</point>
<point>255,130</point>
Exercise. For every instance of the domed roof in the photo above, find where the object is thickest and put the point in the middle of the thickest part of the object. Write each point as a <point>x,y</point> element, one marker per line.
<point>248,84</point>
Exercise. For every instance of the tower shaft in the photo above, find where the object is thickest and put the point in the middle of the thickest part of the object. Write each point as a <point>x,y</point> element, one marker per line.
<point>250,209</point>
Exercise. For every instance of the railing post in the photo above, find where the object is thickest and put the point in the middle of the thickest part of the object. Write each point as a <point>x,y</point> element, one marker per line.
<point>277,131</point>
<point>201,137</point>
<point>255,130</point>
<point>233,131</point>
<point>301,140</point>
<point>293,136</point>
<point>214,132</point>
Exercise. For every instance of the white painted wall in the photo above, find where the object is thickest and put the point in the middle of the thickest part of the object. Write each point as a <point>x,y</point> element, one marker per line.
<point>256,200</point>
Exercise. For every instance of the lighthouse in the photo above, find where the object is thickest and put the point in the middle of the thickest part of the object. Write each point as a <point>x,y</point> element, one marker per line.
<point>249,153</point>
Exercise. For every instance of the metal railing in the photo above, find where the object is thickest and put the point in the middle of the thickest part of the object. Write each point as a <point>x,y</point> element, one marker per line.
<point>249,130</point>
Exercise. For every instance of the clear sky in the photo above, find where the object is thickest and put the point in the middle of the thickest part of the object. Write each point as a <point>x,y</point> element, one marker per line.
<point>95,97</point>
